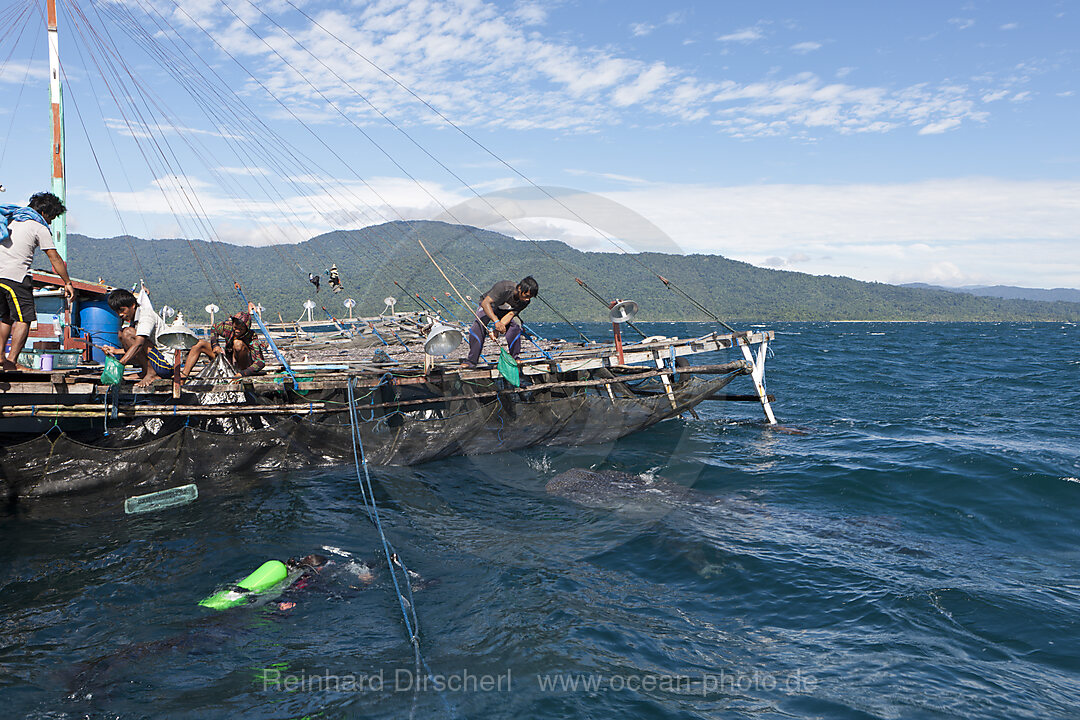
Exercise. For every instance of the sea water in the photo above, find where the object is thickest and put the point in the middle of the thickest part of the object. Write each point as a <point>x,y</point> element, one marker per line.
<point>905,547</point>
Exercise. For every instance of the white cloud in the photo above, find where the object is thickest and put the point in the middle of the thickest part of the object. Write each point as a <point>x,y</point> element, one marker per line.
<point>531,13</point>
<point>145,129</point>
<point>1010,26</point>
<point>962,23</point>
<point>248,171</point>
<point>939,127</point>
<point>975,230</point>
<point>608,176</point>
<point>11,72</point>
<point>805,47</point>
<point>746,35</point>
<point>487,67</point>
<point>181,203</point>
<point>961,231</point>
<point>647,83</point>
<point>992,230</point>
<point>673,18</point>
<point>775,261</point>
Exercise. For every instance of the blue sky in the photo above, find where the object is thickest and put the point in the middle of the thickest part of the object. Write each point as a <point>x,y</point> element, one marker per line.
<point>923,141</point>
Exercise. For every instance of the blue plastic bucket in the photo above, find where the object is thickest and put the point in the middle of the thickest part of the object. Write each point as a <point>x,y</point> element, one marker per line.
<point>99,324</point>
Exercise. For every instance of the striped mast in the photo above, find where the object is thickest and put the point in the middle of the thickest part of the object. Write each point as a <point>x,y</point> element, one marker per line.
<point>59,186</point>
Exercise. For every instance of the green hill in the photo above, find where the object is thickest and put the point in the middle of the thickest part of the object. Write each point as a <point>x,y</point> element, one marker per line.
<point>371,259</point>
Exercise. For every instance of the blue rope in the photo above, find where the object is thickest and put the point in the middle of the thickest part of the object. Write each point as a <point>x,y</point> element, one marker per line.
<point>372,326</point>
<point>393,560</point>
<point>334,320</point>
<point>425,304</point>
<point>447,310</point>
<point>473,313</point>
<point>273,346</point>
<point>529,333</point>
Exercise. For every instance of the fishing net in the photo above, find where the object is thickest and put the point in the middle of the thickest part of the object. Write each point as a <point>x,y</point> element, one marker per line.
<point>144,453</point>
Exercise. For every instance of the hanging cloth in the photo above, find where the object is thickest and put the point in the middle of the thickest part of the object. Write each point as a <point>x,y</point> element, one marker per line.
<point>15,213</point>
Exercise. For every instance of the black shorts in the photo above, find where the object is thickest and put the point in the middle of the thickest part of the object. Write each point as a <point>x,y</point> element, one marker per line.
<point>17,301</point>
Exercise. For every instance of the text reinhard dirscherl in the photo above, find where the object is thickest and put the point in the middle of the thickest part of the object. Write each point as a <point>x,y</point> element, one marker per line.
<point>402,680</point>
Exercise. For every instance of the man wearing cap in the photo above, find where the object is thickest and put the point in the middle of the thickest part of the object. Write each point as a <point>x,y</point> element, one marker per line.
<point>26,229</point>
<point>335,279</point>
<point>243,347</point>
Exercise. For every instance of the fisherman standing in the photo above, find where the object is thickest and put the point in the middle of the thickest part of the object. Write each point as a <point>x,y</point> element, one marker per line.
<point>335,279</point>
<point>26,229</point>
<point>502,304</point>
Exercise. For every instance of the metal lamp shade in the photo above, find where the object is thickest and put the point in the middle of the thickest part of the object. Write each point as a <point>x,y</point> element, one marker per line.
<point>442,339</point>
<point>177,336</point>
<point>623,311</point>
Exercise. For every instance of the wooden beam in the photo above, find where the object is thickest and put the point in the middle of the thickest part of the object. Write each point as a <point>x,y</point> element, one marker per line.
<point>87,410</point>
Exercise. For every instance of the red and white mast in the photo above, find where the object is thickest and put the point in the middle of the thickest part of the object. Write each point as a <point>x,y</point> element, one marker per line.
<point>59,186</point>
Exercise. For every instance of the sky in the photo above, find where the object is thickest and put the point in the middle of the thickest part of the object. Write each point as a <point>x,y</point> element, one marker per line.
<point>893,142</point>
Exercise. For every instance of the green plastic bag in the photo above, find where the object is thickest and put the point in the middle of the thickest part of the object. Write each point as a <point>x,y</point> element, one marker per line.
<point>113,373</point>
<point>508,368</point>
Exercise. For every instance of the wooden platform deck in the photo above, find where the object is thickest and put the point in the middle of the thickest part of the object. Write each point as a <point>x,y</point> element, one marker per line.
<point>408,368</point>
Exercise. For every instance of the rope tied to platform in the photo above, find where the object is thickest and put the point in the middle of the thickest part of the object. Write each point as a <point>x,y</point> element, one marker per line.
<point>393,560</point>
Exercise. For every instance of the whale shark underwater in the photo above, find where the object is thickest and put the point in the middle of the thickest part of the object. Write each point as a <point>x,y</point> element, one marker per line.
<point>605,488</point>
<point>739,517</point>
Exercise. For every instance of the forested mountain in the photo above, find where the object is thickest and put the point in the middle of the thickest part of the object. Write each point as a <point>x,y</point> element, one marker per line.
<point>370,260</point>
<point>1010,292</point>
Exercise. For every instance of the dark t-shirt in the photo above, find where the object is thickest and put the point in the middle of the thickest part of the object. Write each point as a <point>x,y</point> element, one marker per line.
<point>503,298</point>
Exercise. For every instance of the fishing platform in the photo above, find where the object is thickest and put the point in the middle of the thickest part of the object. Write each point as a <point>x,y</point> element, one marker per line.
<point>66,430</point>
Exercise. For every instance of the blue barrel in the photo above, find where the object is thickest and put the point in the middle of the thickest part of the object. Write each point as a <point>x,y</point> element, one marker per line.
<point>99,325</point>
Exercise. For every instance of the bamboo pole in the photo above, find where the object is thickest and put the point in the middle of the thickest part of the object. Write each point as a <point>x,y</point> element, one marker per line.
<point>129,411</point>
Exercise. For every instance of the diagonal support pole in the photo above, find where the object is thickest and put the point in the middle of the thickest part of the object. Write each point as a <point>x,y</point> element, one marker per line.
<point>758,374</point>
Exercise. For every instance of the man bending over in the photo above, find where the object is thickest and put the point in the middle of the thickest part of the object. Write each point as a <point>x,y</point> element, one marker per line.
<point>139,342</point>
<point>502,304</point>
<point>243,346</point>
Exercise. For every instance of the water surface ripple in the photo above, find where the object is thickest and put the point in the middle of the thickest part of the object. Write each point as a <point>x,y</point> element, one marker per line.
<point>910,552</point>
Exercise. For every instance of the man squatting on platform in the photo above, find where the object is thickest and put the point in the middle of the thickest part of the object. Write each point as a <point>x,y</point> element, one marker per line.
<point>502,304</point>
<point>139,342</point>
<point>28,230</point>
<point>243,346</point>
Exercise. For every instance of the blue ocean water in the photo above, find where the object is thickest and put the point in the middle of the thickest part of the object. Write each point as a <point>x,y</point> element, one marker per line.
<point>904,547</point>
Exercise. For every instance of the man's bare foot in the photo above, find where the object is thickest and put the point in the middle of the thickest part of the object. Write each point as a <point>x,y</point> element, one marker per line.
<point>147,380</point>
<point>9,366</point>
